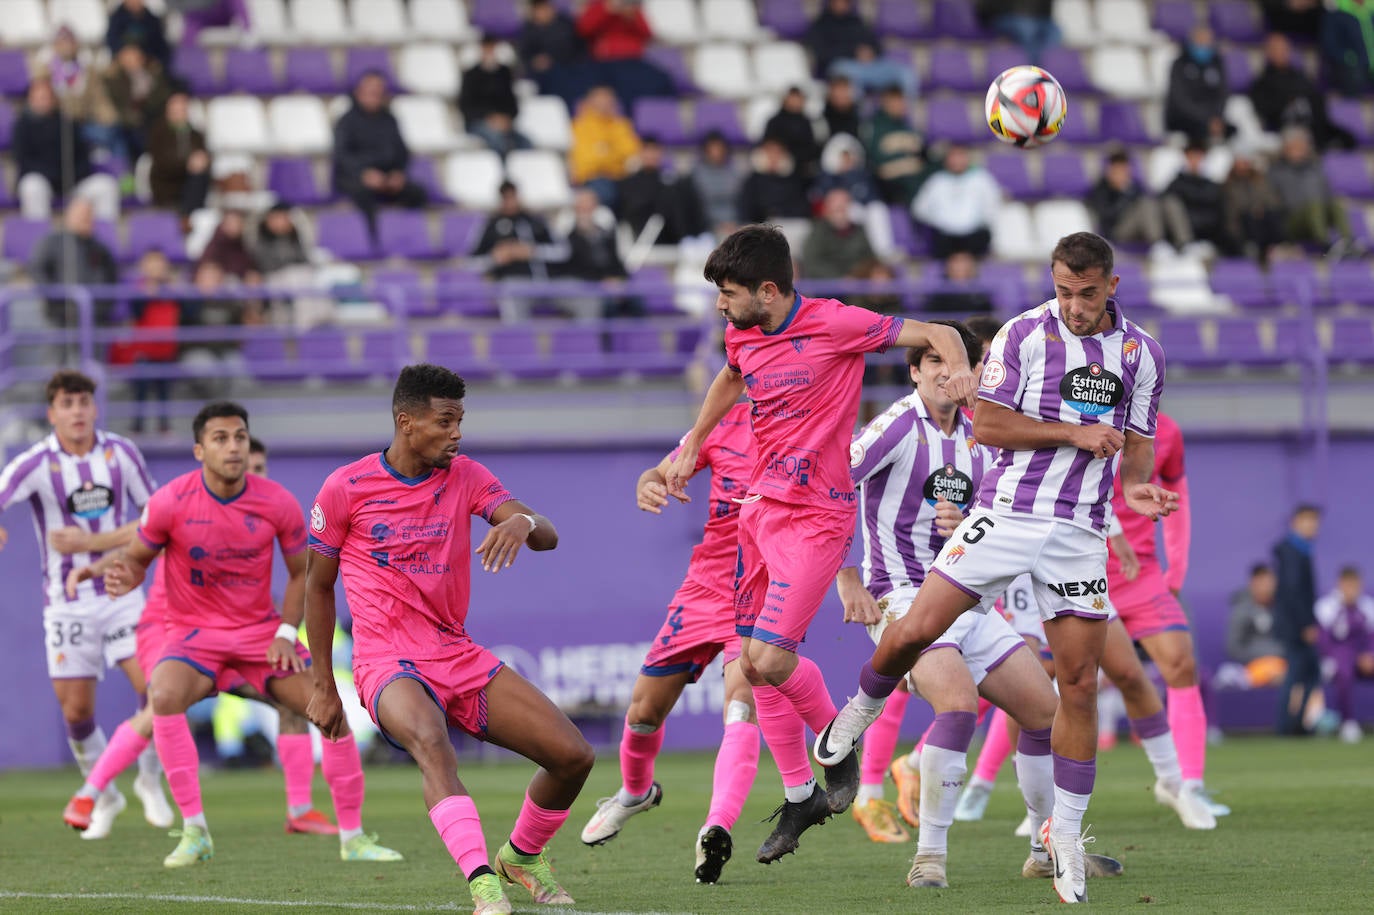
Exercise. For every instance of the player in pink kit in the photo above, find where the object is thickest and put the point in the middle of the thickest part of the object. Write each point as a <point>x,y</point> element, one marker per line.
<point>216,529</point>
<point>801,362</point>
<point>397,525</point>
<point>700,625</point>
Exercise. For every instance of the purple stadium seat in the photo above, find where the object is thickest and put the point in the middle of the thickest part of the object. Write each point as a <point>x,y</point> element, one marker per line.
<point>358,61</point>
<point>951,67</point>
<point>384,352</point>
<point>638,346</point>
<point>661,118</point>
<point>1243,281</point>
<point>786,17</point>
<point>155,230</point>
<point>22,236</point>
<point>265,352</point>
<point>1012,171</point>
<point>6,125</point>
<point>718,114</point>
<point>496,17</point>
<point>1291,280</point>
<point>1360,228</point>
<point>1066,64</point>
<point>405,233</point>
<point>1121,122</point>
<point>653,286</point>
<point>579,350</point>
<point>459,232</point>
<point>1237,20</point>
<point>1182,341</point>
<point>423,173</point>
<point>948,119</point>
<point>956,19</point>
<point>1239,342</point>
<point>193,67</point>
<point>1006,284</point>
<point>324,352</point>
<point>293,181</point>
<point>1175,18</point>
<point>902,19</point>
<point>1352,340</point>
<point>404,282</point>
<point>455,349</point>
<point>1349,113</point>
<point>250,70</point>
<point>312,70</point>
<point>1348,173</point>
<point>1347,281</point>
<point>107,233</point>
<point>1003,57</point>
<point>671,61</point>
<point>14,72</point>
<point>515,351</point>
<point>1240,72</point>
<point>343,233</point>
<point>1065,175</point>
<point>457,291</point>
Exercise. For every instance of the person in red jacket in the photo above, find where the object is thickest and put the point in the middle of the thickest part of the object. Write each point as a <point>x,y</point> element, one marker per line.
<point>616,34</point>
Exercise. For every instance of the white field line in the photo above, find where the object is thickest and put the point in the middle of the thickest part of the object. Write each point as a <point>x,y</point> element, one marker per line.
<point>282,903</point>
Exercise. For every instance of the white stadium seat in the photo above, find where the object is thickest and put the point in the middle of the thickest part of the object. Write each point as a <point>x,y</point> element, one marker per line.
<point>541,178</point>
<point>441,20</point>
<point>299,125</point>
<point>1076,21</point>
<point>378,21</point>
<point>1013,234</point>
<point>268,21</point>
<point>1161,61</point>
<point>429,68</point>
<point>673,21</point>
<point>723,70</point>
<point>472,177</point>
<point>321,21</point>
<point>426,124</point>
<point>1120,71</point>
<point>780,65</point>
<point>236,123</point>
<point>1054,219</point>
<point>1126,21</point>
<point>730,20</point>
<point>544,120</point>
<point>24,22</point>
<point>757,113</point>
<point>1164,165</point>
<point>86,18</point>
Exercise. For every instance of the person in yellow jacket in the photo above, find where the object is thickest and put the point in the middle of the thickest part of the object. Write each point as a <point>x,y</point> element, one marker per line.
<point>603,144</point>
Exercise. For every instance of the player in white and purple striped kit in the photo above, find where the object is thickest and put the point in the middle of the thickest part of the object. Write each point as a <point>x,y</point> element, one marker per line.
<point>1066,387</point>
<point>86,488</point>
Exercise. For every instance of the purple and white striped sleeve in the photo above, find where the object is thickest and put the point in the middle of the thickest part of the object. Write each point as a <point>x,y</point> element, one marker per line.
<point>1143,416</point>
<point>137,481</point>
<point>876,446</point>
<point>16,480</point>
<point>1003,380</point>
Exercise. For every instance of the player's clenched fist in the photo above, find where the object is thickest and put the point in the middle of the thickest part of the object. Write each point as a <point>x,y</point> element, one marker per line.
<point>121,577</point>
<point>651,496</point>
<point>1099,440</point>
<point>326,711</point>
<point>962,388</point>
<point>948,516</point>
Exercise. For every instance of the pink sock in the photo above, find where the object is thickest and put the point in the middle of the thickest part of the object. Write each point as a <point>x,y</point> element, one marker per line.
<point>880,740</point>
<point>1188,722</point>
<point>984,706</point>
<point>455,817</point>
<point>297,768</point>
<point>535,826</point>
<point>176,749</point>
<point>805,689</point>
<point>921,744</point>
<point>996,748</point>
<point>120,753</point>
<point>343,772</point>
<point>637,754</point>
<point>736,765</point>
<point>785,733</point>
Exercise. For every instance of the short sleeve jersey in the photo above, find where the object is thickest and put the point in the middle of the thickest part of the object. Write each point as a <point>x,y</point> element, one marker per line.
<point>217,553</point>
<point>803,379</point>
<point>1037,367</point>
<point>404,547</point>
<point>1140,530</point>
<point>729,453</point>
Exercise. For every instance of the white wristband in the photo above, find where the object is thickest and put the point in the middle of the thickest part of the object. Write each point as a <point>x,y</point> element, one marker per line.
<point>288,632</point>
<point>534,522</point>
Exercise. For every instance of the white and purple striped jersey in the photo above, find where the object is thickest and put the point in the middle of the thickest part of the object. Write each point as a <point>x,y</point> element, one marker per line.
<point>1037,367</point>
<point>103,489</point>
<point>903,463</point>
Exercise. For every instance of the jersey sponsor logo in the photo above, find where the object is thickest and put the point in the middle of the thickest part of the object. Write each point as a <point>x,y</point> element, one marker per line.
<point>1080,588</point>
<point>994,373</point>
<point>373,502</point>
<point>423,529</point>
<point>840,495</point>
<point>1092,389</point>
<point>856,454</point>
<point>90,501</point>
<point>793,466</point>
<point>784,377</point>
<point>1130,351</point>
<point>948,484</point>
<point>380,532</point>
<point>953,555</point>
<point>353,480</point>
<point>783,410</point>
<point>198,553</point>
<point>317,521</point>
<point>439,492</point>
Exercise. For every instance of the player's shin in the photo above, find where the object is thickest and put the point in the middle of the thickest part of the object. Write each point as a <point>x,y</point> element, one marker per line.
<point>343,772</point>
<point>944,762</point>
<point>785,733</point>
<point>1158,743</point>
<point>1188,722</point>
<point>806,690</point>
<point>737,764</point>
<point>298,771</point>
<point>125,747</point>
<point>534,827</point>
<point>880,742</point>
<point>639,747</point>
<point>1035,775</point>
<point>1073,788</point>
<point>87,741</point>
<point>455,819</point>
<point>176,748</point>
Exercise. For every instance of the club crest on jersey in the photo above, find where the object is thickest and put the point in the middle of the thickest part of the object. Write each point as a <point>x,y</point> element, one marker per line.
<point>90,501</point>
<point>953,555</point>
<point>948,484</point>
<point>971,442</point>
<point>1130,351</point>
<point>1092,389</point>
<point>251,522</point>
<point>799,343</point>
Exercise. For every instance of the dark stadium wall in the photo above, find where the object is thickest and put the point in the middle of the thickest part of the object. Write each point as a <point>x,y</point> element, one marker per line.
<point>577,620</point>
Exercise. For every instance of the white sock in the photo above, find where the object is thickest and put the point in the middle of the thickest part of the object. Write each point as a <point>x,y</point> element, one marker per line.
<point>864,700</point>
<point>626,799</point>
<point>88,749</point>
<point>869,793</point>
<point>1163,756</point>
<point>977,782</point>
<point>1069,809</point>
<point>1111,708</point>
<point>1035,776</point>
<point>149,766</point>
<point>346,834</point>
<point>942,776</point>
<point>913,760</point>
<point>299,810</point>
<point>197,820</point>
<point>798,793</point>
<point>88,790</point>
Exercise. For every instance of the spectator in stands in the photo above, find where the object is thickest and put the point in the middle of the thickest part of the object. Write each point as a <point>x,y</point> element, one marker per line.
<point>842,165</point>
<point>215,362</point>
<point>841,111</point>
<point>773,190</point>
<point>1347,45</point>
<point>487,101</point>
<point>549,45</point>
<point>277,244</point>
<point>1029,24</point>
<point>1284,96</point>
<point>841,43</point>
<point>516,244</point>
<point>1346,618</point>
<point>370,155</point>
<point>52,158</point>
<point>228,250</point>
<point>592,255</point>
<point>617,33</point>
<point>717,179</point>
<point>603,143</point>
<point>1252,208</point>
<point>72,255</point>
<point>180,174</point>
<point>80,91</point>
<point>794,129</point>
<point>1312,212</point>
<point>959,293</point>
<point>896,152</point>
<point>132,21</point>
<point>1293,17</point>
<point>1196,97</point>
<point>138,89</point>
<point>652,191</point>
<point>958,204</point>
<point>1250,639</point>
<point>1128,214</point>
<point>155,313</point>
<point>837,246</point>
<point>1201,198</point>
<point>1295,622</point>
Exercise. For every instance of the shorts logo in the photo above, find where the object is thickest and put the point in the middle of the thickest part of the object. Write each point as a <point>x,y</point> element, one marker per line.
<point>994,373</point>
<point>1081,589</point>
<point>1099,604</point>
<point>1092,390</point>
<point>90,501</point>
<point>317,519</point>
<point>1130,350</point>
<point>953,555</point>
<point>948,484</point>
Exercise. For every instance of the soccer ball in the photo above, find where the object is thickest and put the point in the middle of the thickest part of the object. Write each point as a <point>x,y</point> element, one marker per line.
<point>1025,107</point>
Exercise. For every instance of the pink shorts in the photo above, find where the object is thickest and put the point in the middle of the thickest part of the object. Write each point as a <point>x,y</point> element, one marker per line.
<point>700,625</point>
<point>228,656</point>
<point>1146,606</point>
<point>788,557</point>
<point>150,637</point>
<point>456,682</point>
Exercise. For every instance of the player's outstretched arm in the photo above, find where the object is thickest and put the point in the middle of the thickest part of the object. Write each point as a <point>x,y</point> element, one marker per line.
<point>651,492</point>
<point>1002,427</point>
<point>1137,466</point>
<point>859,605</point>
<point>962,387</point>
<point>128,567</point>
<point>325,708</point>
<point>73,539</point>
<point>723,394</point>
<point>514,525</point>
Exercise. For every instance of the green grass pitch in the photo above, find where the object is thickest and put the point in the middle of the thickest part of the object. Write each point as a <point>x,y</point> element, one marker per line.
<point>1299,840</point>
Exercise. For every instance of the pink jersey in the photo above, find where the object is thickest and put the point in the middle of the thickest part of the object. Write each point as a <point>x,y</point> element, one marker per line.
<point>804,379</point>
<point>218,553</point>
<point>404,547</point>
<point>1140,530</point>
<point>729,452</point>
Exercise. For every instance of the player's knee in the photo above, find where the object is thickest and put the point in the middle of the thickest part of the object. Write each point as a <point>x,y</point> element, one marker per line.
<point>645,717</point>
<point>430,747</point>
<point>1179,671</point>
<point>76,709</point>
<point>738,711</point>
<point>576,760</point>
<point>291,723</point>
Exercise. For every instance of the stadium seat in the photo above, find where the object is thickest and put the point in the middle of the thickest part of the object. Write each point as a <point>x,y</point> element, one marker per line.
<point>1013,233</point>
<point>264,350</point>
<point>757,112</point>
<point>1348,173</point>
<point>14,72</point>
<point>324,352</point>
<point>1056,218</point>
<point>1240,341</point>
<point>515,351</point>
<point>1348,281</point>
<point>902,19</point>
<point>1122,122</point>
<point>543,119</point>
<point>250,70</point>
<point>343,233</point>
<point>459,291</point>
<point>496,17</point>
<point>730,20</point>
<point>1065,175</point>
<point>1352,340</point>
<point>660,118</point>
<point>300,125</point>
<point>950,119</point>
<point>1119,70</point>
<point>1240,68</point>
<point>471,178</point>
<point>320,22</point>
<point>1164,164</point>
<point>1293,281</point>
<point>21,236</point>
<point>6,131</point>
<point>640,348</point>
<point>405,234</point>
<point>441,20</point>
<point>578,351</point>
<point>25,23</point>
<point>787,18</point>
<point>429,68</point>
<point>193,67</point>
<point>1175,18</point>
<point>1081,124</point>
<point>1243,282</point>
<point>1012,171</point>
<point>1237,20</point>
<point>426,124</point>
<point>236,123</point>
<point>1126,21</point>
<point>780,65</point>
<point>723,70</point>
<point>1183,341</point>
<point>400,290</point>
<point>423,173</point>
<point>86,18</point>
<point>385,351</point>
<point>312,70</point>
<point>155,230</point>
<point>1180,285</point>
<point>378,21</point>
<point>671,61</point>
<point>269,22</point>
<point>1350,114</point>
<point>1067,66</point>
<point>674,21</point>
<point>951,67</point>
<point>541,177</point>
<point>358,61</point>
<point>459,232</point>
<point>717,114</point>
<point>455,349</point>
<point>1077,23</point>
<point>293,182</point>
<point>956,19</point>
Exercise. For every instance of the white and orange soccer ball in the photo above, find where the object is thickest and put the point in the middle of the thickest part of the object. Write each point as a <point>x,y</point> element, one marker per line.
<point>1025,106</point>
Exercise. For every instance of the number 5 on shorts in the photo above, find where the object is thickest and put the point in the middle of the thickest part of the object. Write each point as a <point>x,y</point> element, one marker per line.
<point>978,528</point>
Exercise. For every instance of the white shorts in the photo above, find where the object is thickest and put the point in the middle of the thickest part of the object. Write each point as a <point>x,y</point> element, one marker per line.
<point>82,639</point>
<point>984,639</point>
<point>1019,609</point>
<point>1067,563</point>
